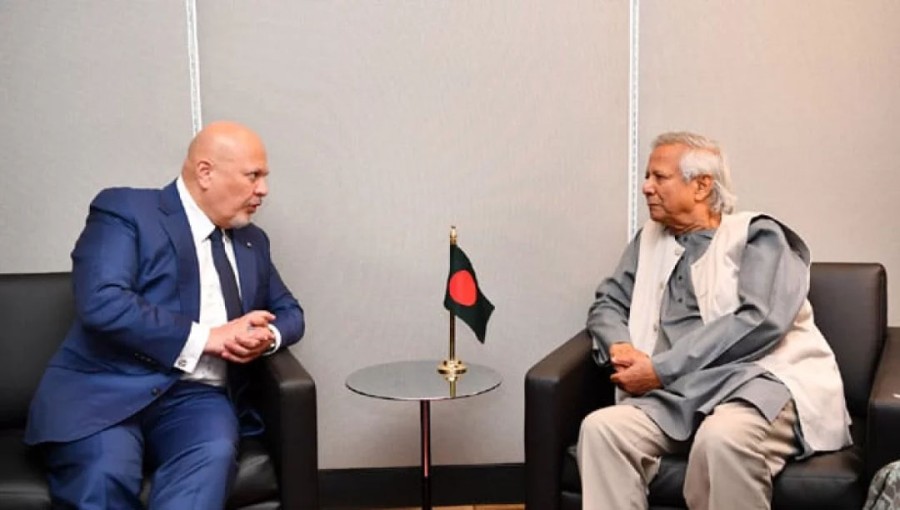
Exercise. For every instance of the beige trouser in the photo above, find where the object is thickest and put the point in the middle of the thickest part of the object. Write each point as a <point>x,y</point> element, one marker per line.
<point>733,457</point>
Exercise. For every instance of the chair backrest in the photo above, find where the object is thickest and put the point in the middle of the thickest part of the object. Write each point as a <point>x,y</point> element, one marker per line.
<point>850,308</point>
<point>36,310</point>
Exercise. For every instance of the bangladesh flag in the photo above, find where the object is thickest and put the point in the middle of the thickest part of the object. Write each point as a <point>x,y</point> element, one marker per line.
<point>463,298</point>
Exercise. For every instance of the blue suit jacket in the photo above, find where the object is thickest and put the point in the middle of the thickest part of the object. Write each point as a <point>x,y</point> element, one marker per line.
<point>137,291</point>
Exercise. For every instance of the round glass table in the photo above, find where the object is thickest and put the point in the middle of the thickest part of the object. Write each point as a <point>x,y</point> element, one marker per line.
<point>420,381</point>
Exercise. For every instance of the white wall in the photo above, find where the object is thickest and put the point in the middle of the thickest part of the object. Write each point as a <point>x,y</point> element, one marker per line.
<point>389,121</point>
<point>804,97</point>
<point>92,94</point>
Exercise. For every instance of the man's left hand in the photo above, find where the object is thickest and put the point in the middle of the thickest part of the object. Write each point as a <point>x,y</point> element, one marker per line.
<point>639,378</point>
<point>250,345</point>
<point>250,337</point>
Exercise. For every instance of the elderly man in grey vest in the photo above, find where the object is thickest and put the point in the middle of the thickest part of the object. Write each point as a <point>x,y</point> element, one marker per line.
<point>711,339</point>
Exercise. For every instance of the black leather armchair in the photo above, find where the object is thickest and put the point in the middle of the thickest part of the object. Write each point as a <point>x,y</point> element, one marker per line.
<point>276,470</point>
<point>850,307</point>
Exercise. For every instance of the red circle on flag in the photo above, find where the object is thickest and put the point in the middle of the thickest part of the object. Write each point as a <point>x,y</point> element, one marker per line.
<point>462,288</point>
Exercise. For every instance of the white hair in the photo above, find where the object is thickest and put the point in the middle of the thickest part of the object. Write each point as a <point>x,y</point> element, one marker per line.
<point>703,157</point>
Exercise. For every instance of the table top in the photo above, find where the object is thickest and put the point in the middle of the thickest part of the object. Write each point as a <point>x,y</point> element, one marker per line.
<point>420,380</point>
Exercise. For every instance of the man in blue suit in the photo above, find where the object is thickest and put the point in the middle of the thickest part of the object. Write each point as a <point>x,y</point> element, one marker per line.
<point>175,292</point>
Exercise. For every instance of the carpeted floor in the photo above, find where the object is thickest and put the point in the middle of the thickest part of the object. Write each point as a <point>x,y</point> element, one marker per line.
<point>475,507</point>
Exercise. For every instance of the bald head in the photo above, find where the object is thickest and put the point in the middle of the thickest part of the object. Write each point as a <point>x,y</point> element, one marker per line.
<point>221,140</point>
<point>225,172</point>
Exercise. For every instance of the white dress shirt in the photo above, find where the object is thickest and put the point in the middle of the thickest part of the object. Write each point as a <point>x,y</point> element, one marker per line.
<point>196,365</point>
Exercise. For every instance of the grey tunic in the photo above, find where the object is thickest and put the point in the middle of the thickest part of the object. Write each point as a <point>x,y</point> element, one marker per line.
<point>703,365</point>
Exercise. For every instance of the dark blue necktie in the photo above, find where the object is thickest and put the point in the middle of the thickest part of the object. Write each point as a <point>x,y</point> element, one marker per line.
<point>226,276</point>
<point>250,422</point>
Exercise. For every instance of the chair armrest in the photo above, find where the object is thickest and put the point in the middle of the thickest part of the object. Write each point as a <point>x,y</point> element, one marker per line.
<point>560,390</point>
<point>882,440</point>
<point>287,403</point>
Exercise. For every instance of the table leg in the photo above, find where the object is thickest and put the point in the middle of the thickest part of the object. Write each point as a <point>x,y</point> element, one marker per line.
<point>425,426</point>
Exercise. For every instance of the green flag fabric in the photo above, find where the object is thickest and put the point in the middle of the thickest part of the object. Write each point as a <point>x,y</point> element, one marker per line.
<point>464,297</point>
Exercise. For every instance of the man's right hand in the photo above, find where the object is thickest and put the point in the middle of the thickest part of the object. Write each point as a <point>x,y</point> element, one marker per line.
<point>634,372</point>
<point>243,339</point>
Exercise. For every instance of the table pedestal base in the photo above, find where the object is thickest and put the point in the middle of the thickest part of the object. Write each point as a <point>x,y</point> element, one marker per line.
<point>425,433</point>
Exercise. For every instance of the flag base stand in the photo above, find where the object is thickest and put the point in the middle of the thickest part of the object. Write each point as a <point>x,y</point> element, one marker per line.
<point>452,367</point>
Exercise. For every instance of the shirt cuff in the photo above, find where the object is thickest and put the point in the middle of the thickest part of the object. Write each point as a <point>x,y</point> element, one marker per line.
<point>276,344</point>
<point>193,348</point>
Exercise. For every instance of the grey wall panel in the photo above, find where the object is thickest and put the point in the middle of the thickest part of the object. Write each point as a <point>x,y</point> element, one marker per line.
<point>386,123</point>
<point>389,121</point>
<point>804,97</point>
<point>92,94</point>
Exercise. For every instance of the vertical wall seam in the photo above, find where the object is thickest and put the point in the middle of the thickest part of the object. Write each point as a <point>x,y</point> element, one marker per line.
<point>633,100</point>
<point>193,64</point>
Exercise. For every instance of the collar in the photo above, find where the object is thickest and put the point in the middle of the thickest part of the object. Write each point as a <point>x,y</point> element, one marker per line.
<point>199,222</point>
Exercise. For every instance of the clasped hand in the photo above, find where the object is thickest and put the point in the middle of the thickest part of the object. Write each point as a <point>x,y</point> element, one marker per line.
<point>243,339</point>
<point>634,372</point>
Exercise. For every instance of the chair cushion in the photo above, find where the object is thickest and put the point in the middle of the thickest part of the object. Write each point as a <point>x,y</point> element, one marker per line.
<point>823,481</point>
<point>23,484</point>
<point>256,481</point>
<point>829,480</point>
<point>571,478</point>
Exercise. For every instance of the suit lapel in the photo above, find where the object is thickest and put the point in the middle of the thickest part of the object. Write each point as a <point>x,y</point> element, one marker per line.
<point>245,257</point>
<point>176,225</point>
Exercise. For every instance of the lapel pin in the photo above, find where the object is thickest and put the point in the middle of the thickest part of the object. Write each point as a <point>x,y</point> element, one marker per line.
<point>249,244</point>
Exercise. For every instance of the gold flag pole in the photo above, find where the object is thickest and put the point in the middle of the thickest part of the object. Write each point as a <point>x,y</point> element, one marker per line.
<point>451,380</point>
<point>452,366</point>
